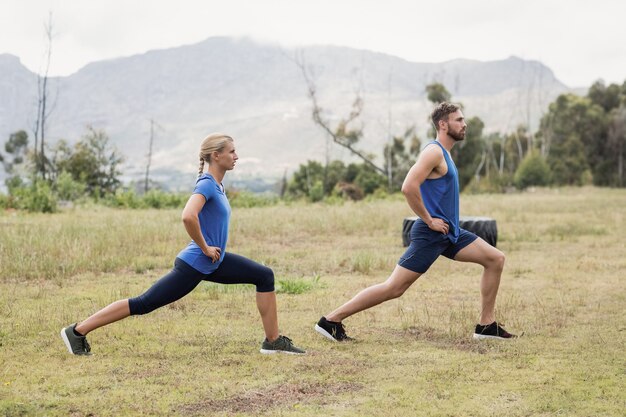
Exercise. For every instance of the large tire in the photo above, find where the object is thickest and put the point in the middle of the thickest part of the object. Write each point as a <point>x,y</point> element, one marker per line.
<point>483,227</point>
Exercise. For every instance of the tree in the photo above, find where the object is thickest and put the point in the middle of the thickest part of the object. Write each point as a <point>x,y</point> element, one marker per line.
<point>516,146</point>
<point>607,159</point>
<point>369,180</point>
<point>92,161</point>
<point>305,178</point>
<point>352,181</point>
<point>572,136</point>
<point>147,181</point>
<point>606,97</point>
<point>14,162</point>
<point>344,134</point>
<point>43,111</point>
<point>533,171</point>
<point>399,159</point>
<point>437,93</point>
<point>617,145</point>
<point>16,146</point>
<point>568,161</point>
<point>468,154</point>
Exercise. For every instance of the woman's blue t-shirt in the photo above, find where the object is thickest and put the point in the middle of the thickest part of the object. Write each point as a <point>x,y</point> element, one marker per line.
<point>214,218</point>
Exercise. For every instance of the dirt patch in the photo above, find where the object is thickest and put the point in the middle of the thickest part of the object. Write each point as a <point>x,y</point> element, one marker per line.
<point>441,339</point>
<point>259,400</point>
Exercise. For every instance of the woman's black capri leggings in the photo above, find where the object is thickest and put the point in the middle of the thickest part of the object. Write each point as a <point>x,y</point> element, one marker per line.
<point>234,269</point>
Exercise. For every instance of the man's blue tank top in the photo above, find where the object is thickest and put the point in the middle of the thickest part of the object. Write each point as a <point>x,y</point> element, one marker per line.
<point>441,196</point>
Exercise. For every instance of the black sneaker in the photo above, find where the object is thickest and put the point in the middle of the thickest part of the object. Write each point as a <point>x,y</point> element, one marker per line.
<point>491,331</point>
<point>283,345</point>
<point>332,330</point>
<point>77,345</point>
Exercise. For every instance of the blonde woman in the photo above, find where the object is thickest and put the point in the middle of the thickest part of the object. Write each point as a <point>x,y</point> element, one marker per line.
<point>205,217</point>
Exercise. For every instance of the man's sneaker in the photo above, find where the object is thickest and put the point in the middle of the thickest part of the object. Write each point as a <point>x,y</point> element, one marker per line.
<point>332,330</point>
<point>491,331</point>
<point>77,345</point>
<point>282,344</point>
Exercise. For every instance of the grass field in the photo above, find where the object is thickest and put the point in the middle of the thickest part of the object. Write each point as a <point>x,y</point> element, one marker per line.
<point>564,287</point>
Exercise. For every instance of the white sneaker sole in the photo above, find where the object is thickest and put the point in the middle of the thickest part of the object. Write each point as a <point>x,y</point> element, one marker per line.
<point>485,337</point>
<point>271,352</point>
<point>324,333</point>
<point>66,341</point>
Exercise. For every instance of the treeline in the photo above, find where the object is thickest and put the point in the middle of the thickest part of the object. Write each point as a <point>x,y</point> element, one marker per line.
<point>87,171</point>
<point>580,140</point>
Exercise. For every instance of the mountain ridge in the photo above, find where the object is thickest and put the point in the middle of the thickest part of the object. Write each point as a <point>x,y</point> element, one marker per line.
<point>255,92</point>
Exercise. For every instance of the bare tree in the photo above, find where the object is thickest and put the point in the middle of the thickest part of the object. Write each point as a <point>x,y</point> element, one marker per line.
<point>389,158</point>
<point>43,112</point>
<point>547,135</point>
<point>617,139</point>
<point>342,134</point>
<point>150,144</point>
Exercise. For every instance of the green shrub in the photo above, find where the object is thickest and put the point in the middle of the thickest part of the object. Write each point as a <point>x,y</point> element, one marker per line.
<point>533,171</point>
<point>297,285</point>
<point>369,181</point>
<point>316,193</point>
<point>334,200</point>
<point>381,193</point>
<point>36,197</point>
<point>5,202</point>
<point>246,199</point>
<point>67,188</point>
<point>123,199</point>
<point>160,199</point>
<point>493,184</point>
<point>13,183</point>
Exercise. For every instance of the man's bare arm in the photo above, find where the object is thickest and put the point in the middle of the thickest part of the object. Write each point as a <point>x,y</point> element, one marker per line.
<point>427,162</point>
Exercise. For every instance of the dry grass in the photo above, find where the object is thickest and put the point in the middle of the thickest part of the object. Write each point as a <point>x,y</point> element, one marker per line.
<point>563,287</point>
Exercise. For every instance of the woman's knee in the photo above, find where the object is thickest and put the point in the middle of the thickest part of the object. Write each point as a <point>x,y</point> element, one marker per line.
<point>265,280</point>
<point>139,305</point>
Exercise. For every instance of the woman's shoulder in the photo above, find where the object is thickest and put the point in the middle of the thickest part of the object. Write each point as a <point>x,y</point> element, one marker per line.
<point>207,183</point>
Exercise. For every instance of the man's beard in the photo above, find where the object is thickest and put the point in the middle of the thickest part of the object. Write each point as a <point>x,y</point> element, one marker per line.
<point>457,136</point>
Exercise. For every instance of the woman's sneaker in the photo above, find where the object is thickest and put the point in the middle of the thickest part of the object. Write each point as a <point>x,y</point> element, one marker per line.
<point>282,344</point>
<point>332,330</point>
<point>491,331</point>
<point>75,343</point>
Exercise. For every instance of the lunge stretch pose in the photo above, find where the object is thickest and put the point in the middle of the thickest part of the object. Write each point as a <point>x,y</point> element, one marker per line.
<point>431,189</point>
<point>205,217</point>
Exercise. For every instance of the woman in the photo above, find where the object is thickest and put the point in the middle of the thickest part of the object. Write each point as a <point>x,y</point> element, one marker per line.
<point>205,217</point>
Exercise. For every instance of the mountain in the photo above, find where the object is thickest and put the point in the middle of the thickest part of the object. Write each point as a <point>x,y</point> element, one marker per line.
<point>256,93</point>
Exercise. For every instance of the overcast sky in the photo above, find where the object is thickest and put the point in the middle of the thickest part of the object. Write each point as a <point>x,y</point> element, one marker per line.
<point>580,40</point>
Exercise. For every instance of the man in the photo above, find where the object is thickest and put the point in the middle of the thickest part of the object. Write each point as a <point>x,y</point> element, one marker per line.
<point>431,188</point>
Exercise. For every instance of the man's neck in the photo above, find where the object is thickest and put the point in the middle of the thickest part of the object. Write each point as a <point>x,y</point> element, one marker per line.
<point>446,141</point>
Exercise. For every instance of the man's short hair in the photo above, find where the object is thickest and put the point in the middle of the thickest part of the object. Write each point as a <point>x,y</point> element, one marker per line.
<point>442,111</point>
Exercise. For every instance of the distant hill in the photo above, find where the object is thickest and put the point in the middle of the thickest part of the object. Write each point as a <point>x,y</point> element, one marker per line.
<point>256,93</point>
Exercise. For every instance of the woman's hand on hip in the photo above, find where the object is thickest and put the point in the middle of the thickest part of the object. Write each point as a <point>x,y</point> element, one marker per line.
<point>213,252</point>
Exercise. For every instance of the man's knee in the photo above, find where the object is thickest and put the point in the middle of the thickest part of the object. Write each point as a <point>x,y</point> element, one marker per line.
<point>497,260</point>
<point>395,291</point>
